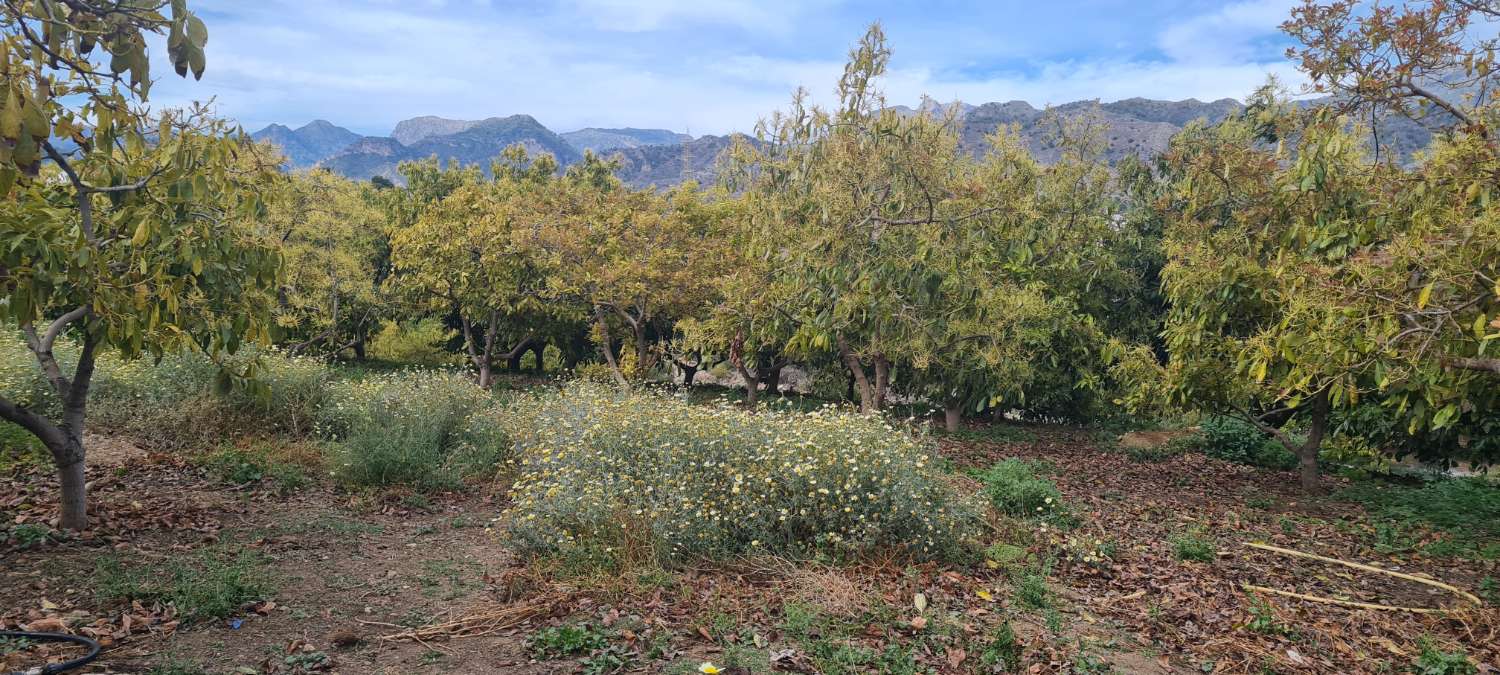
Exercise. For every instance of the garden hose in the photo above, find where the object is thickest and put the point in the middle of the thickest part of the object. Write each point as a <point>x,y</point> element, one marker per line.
<point>63,667</point>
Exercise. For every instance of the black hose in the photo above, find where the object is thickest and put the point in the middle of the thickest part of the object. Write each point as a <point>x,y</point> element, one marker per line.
<point>63,667</point>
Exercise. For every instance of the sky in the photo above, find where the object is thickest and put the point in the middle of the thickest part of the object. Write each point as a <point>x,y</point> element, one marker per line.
<point>704,66</point>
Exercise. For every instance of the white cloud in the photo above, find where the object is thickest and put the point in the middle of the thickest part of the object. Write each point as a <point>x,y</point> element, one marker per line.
<point>367,65</point>
<point>1228,35</point>
<point>647,15</point>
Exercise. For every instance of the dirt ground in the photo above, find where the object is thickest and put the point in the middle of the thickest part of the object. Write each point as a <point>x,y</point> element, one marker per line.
<point>352,572</point>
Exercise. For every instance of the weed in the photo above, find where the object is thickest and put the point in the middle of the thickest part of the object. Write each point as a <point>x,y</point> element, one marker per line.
<point>611,659</point>
<point>414,618</point>
<point>1032,591</point>
<point>1014,488</point>
<point>308,661</point>
<point>1004,556</point>
<point>211,584</point>
<point>27,535</point>
<point>417,502</point>
<point>175,666</point>
<point>567,640</point>
<point>1393,538</point>
<point>1002,651</point>
<point>14,645</point>
<point>1434,661</point>
<point>1193,544</point>
<point>1263,619</point>
<point>1489,589</point>
<point>239,467</point>
<point>1261,503</point>
<point>1467,509</point>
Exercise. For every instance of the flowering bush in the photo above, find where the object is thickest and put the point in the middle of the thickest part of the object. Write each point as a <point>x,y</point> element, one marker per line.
<point>647,474</point>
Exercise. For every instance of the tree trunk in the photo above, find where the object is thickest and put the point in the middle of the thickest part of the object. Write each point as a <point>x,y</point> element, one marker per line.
<point>867,401</point>
<point>608,349</point>
<point>771,378</point>
<point>952,417</point>
<point>1307,454</point>
<point>539,350</point>
<point>74,504</point>
<point>484,374</point>
<point>882,381</point>
<point>359,349</point>
<point>752,383</point>
<point>514,362</point>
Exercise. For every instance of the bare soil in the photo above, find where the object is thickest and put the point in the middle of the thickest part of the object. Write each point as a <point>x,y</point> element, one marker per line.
<point>352,569</point>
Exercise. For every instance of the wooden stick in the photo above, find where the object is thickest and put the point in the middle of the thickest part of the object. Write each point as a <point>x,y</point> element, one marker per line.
<point>1368,568</point>
<point>1346,603</point>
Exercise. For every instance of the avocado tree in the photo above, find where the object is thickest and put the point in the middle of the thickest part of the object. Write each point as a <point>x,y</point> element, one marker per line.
<point>1430,60</point>
<point>1429,286</point>
<point>333,241</point>
<point>462,254</point>
<point>125,231</point>
<point>1273,211</point>
<point>636,259</point>
<point>890,248</point>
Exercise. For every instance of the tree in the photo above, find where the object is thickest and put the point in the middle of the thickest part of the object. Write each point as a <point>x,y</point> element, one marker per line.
<point>1428,284</point>
<point>137,240</point>
<point>634,258</point>
<point>892,249</point>
<point>746,322</point>
<point>333,238</point>
<point>1259,237</point>
<point>1414,59</point>
<point>463,254</point>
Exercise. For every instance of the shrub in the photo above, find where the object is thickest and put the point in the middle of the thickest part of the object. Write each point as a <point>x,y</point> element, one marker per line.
<point>1013,487</point>
<point>419,343</point>
<point>645,475</point>
<point>1235,440</point>
<point>400,428</point>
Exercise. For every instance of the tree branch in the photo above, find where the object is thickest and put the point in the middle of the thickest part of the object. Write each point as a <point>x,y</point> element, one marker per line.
<point>1467,363</point>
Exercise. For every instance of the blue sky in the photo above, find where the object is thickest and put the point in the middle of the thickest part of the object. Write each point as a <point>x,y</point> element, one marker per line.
<point>704,66</point>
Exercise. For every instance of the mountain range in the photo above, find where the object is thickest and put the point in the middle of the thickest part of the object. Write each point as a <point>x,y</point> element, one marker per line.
<point>1135,126</point>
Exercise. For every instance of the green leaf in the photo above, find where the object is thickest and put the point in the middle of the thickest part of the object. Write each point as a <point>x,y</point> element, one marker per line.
<point>197,33</point>
<point>1444,416</point>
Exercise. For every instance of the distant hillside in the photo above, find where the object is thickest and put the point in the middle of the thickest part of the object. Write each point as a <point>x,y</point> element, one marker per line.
<point>309,144</point>
<point>666,165</point>
<point>600,140</point>
<point>1134,126</point>
<point>418,129</point>
<point>475,143</point>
